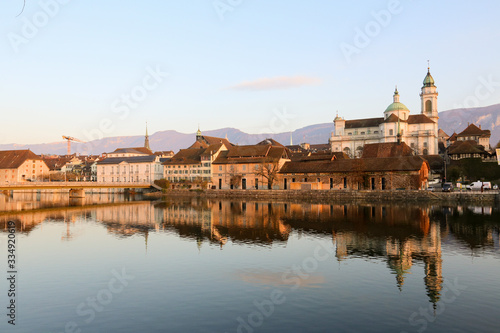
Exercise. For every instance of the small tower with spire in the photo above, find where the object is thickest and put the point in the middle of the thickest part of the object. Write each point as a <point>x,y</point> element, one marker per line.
<point>146,138</point>
<point>198,134</point>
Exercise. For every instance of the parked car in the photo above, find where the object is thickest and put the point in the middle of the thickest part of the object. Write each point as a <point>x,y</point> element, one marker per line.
<point>447,187</point>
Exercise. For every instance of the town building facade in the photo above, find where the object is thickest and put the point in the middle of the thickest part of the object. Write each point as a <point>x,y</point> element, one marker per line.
<point>249,167</point>
<point>21,165</point>
<point>143,169</point>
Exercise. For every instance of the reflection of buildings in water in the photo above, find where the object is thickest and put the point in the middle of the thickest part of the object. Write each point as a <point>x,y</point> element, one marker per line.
<point>401,247</point>
<point>130,219</point>
<point>219,220</point>
<point>29,200</point>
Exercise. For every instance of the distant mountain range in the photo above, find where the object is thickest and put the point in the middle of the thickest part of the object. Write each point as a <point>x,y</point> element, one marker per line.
<point>450,121</point>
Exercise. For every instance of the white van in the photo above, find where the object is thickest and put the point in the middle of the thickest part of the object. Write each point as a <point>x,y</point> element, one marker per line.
<point>476,186</point>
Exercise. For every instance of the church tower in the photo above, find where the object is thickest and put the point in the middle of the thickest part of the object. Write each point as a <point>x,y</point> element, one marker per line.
<point>428,97</point>
<point>146,138</point>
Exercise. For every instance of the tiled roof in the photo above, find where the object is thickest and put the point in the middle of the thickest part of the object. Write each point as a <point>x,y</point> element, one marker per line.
<point>13,159</point>
<point>473,130</point>
<point>386,149</point>
<point>442,134</point>
<point>270,142</point>
<point>466,147</point>
<point>186,156</point>
<point>367,122</point>
<point>248,151</point>
<point>134,159</point>
<point>393,119</point>
<point>134,150</point>
<point>251,154</point>
<point>212,149</point>
<point>320,147</point>
<point>419,119</point>
<point>435,161</point>
<point>453,137</point>
<point>407,163</point>
<point>206,141</point>
<point>57,163</point>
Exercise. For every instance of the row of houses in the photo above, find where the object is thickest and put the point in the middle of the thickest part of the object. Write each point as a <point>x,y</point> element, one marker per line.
<point>216,163</point>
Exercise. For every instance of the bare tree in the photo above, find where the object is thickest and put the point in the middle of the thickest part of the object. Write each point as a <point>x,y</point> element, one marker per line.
<point>268,169</point>
<point>234,177</point>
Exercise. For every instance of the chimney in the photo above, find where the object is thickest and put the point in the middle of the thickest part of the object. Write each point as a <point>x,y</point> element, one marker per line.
<point>479,126</point>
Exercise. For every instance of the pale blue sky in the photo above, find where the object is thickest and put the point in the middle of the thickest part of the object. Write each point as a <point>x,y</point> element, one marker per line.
<point>234,68</point>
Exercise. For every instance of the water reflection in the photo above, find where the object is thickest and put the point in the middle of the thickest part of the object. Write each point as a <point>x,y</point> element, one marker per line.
<point>400,236</point>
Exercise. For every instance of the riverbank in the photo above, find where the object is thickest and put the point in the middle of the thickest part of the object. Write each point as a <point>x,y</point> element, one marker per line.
<point>341,195</point>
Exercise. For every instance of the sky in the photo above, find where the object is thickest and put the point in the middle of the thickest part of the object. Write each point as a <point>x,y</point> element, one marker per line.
<point>92,69</point>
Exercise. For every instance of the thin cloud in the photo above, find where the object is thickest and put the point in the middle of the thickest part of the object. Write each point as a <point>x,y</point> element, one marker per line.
<point>282,82</point>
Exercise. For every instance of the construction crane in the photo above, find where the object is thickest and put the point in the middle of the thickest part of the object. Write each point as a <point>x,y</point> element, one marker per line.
<point>70,138</point>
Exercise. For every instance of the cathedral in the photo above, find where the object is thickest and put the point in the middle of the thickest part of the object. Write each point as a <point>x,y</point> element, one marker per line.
<point>419,131</point>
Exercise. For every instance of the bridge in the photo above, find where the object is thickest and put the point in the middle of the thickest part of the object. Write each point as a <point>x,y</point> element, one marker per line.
<point>76,189</point>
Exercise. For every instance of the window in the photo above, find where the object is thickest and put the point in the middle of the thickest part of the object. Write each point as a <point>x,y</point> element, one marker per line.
<point>220,167</point>
<point>428,106</point>
<point>425,144</point>
<point>391,132</point>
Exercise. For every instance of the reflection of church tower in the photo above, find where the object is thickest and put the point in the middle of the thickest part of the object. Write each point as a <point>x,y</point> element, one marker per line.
<point>146,138</point>
<point>433,266</point>
<point>400,259</point>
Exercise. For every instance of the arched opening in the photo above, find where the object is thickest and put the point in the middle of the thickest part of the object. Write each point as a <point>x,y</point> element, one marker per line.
<point>428,106</point>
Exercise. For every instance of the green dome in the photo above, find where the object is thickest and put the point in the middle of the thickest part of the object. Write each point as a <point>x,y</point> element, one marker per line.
<point>396,106</point>
<point>429,80</point>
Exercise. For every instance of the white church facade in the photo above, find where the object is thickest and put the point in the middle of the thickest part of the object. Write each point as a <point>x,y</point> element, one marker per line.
<point>419,131</point>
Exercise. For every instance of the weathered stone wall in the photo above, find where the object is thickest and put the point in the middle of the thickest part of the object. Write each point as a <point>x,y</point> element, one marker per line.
<point>344,195</point>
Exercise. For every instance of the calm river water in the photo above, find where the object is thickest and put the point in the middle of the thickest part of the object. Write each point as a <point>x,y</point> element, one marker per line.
<point>111,263</point>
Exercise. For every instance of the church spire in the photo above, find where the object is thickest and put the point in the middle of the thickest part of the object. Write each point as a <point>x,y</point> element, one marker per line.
<point>146,138</point>
<point>198,133</point>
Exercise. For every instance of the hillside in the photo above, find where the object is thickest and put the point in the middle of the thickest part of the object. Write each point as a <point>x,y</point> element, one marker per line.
<point>450,121</point>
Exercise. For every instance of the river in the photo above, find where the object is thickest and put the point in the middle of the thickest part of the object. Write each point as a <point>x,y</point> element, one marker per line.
<point>114,263</point>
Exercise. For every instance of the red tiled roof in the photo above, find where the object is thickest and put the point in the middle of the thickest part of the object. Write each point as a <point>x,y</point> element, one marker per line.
<point>466,147</point>
<point>252,154</point>
<point>406,163</point>
<point>473,130</point>
<point>442,133</point>
<point>435,161</point>
<point>386,149</point>
<point>270,142</point>
<point>13,159</point>
<point>186,156</point>
<point>419,119</point>
<point>393,119</point>
<point>367,122</point>
<point>133,150</point>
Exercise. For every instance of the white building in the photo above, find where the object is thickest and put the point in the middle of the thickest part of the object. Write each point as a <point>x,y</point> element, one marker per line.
<point>419,131</point>
<point>141,169</point>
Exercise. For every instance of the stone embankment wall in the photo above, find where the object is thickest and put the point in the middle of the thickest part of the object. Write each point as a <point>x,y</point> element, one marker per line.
<point>344,196</point>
